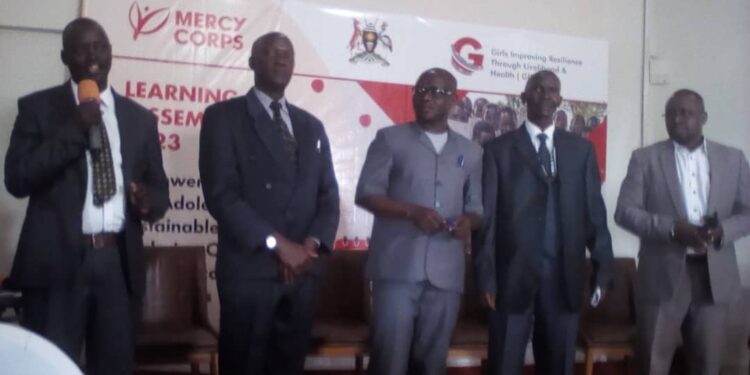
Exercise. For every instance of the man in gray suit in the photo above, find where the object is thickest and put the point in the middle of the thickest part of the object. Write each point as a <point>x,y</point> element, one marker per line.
<point>422,181</point>
<point>688,199</point>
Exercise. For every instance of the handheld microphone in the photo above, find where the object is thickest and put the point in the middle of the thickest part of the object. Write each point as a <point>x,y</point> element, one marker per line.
<point>88,91</point>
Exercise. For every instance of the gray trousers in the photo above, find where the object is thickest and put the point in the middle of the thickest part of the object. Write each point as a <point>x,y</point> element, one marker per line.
<point>411,328</point>
<point>689,317</point>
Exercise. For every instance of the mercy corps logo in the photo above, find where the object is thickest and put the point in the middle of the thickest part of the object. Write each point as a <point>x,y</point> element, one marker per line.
<point>191,28</point>
<point>464,57</point>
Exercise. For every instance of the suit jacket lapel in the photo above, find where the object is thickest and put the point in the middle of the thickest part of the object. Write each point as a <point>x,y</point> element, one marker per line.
<point>126,140</point>
<point>307,144</point>
<point>525,148</point>
<point>715,170</point>
<point>562,156</point>
<point>451,147</point>
<point>421,137</point>
<point>669,167</point>
<point>66,108</point>
<point>262,123</point>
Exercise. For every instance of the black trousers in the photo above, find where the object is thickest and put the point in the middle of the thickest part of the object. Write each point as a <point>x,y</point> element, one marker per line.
<point>265,326</point>
<point>553,322</point>
<point>95,309</point>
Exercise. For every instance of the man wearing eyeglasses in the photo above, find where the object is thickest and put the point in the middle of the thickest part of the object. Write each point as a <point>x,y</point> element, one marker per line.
<point>544,208</point>
<point>422,181</point>
<point>688,199</point>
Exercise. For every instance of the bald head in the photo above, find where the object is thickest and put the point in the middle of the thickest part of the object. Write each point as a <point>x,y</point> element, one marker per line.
<point>434,96</point>
<point>272,60</point>
<point>443,74</point>
<point>542,97</point>
<point>86,51</point>
<point>537,77</point>
<point>73,29</point>
<point>261,44</point>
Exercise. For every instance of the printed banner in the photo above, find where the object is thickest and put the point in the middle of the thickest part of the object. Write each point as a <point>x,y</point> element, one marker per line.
<point>354,70</point>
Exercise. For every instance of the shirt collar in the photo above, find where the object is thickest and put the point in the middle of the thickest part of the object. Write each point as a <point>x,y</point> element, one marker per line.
<point>680,149</point>
<point>266,100</point>
<point>534,130</point>
<point>105,97</point>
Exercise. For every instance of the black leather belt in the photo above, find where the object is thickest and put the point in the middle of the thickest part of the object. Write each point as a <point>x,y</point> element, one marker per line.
<point>100,240</point>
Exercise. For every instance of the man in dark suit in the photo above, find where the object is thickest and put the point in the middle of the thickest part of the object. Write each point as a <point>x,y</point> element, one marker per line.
<point>688,199</point>
<point>543,208</point>
<point>92,171</point>
<point>268,180</point>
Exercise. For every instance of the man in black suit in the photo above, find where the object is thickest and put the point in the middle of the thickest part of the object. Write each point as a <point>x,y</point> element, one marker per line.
<point>543,208</point>
<point>268,180</point>
<point>92,171</point>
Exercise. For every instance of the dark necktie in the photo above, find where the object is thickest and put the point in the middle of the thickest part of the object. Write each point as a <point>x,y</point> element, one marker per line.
<point>544,156</point>
<point>550,239</point>
<point>287,139</point>
<point>103,171</point>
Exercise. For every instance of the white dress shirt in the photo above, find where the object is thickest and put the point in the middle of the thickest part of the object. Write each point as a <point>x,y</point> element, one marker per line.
<point>693,174</point>
<point>110,217</point>
<point>534,130</point>
<point>266,101</point>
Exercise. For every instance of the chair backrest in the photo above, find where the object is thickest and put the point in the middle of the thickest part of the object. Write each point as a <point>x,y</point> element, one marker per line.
<point>619,304</point>
<point>176,294</point>
<point>342,290</point>
<point>471,305</point>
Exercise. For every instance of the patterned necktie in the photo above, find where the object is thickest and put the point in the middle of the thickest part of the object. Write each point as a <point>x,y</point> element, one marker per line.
<point>544,155</point>
<point>103,171</point>
<point>290,145</point>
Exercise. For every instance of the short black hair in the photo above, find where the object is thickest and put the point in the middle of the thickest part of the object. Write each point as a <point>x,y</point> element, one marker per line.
<point>683,92</point>
<point>510,111</point>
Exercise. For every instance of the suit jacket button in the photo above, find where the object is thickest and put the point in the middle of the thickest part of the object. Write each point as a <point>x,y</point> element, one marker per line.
<point>268,186</point>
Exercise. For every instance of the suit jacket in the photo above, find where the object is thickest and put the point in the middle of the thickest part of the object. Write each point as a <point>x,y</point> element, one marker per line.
<point>46,162</point>
<point>403,165</point>
<point>252,189</point>
<point>509,248</point>
<point>651,201</point>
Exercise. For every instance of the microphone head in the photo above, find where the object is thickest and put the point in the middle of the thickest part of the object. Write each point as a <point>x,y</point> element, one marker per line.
<point>88,90</point>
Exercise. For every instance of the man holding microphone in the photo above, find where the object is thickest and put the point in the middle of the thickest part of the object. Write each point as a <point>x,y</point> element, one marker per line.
<point>90,163</point>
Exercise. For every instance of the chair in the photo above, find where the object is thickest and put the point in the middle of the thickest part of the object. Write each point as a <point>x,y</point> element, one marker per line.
<point>609,329</point>
<point>471,335</point>
<point>342,308</point>
<point>175,327</point>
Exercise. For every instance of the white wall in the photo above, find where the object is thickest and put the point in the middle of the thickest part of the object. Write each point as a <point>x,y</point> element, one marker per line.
<point>30,41</point>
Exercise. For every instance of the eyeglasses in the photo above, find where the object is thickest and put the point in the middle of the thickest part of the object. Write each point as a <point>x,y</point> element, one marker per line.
<point>681,113</point>
<point>434,91</point>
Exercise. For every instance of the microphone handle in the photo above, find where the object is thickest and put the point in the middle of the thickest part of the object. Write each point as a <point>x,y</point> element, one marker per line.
<point>95,137</point>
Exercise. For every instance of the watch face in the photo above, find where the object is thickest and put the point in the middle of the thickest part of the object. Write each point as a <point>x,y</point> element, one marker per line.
<point>271,242</point>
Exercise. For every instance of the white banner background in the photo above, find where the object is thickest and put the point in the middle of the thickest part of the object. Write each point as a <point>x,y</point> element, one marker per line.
<point>177,57</point>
